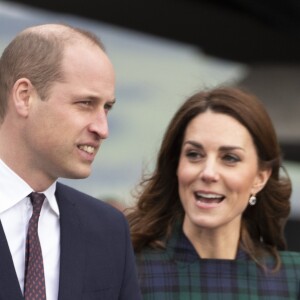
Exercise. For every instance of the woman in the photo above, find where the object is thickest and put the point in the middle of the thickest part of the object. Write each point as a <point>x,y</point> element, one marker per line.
<point>209,221</point>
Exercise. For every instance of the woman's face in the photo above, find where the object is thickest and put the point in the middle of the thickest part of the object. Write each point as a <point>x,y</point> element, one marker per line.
<point>217,172</point>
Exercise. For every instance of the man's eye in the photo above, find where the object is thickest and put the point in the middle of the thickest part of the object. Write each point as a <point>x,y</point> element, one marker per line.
<point>108,107</point>
<point>86,103</point>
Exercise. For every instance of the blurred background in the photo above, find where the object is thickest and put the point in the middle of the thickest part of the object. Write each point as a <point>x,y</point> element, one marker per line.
<point>164,51</point>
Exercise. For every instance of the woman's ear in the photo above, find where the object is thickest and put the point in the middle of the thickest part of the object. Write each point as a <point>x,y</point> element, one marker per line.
<point>22,93</point>
<point>261,180</point>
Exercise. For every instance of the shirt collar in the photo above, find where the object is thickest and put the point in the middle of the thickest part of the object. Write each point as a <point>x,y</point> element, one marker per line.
<point>13,189</point>
<point>50,195</point>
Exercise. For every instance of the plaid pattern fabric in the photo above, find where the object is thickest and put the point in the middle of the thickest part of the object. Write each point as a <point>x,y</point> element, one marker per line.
<point>179,274</point>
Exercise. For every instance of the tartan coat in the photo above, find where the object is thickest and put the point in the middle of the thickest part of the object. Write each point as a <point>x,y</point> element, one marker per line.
<point>178,273</point>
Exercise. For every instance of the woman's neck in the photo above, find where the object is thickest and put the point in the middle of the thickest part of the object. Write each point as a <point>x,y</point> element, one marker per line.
<point>214,243</point>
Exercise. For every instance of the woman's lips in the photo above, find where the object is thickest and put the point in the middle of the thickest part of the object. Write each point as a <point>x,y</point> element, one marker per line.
<point>208,197</point>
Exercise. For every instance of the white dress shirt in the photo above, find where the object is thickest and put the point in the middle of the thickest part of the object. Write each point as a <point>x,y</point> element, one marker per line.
<point>15,212</point>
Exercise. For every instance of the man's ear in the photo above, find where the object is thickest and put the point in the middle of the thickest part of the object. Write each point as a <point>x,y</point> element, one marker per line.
<point>22,93</point>
<point>260,181</point>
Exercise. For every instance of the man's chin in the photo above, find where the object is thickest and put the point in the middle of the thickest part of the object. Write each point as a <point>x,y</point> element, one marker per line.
<point>78,174</point>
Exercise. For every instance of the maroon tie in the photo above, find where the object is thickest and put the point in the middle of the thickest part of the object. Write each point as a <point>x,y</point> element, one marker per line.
<point>34,284</point>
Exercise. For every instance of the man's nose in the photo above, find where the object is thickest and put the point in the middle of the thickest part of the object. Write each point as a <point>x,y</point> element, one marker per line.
<point>99,125</point>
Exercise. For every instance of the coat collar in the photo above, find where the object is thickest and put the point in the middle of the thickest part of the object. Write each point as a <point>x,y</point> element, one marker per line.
<point>72,247</point>
<point>9,284</point>
<point>183,250</point>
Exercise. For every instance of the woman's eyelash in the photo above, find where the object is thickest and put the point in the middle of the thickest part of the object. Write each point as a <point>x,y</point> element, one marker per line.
<point>231,158</point>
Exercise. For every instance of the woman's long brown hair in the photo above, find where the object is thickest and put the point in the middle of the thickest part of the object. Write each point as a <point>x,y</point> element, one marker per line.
<point>159,208</point>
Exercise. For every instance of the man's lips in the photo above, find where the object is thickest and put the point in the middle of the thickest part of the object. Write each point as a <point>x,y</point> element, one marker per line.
<point>87,148</point>
<point>208,197</point>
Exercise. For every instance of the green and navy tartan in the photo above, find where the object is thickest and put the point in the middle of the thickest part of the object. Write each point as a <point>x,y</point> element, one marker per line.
<point>178,273</point>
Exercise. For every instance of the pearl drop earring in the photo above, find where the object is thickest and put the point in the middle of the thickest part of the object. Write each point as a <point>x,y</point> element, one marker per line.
<point>252,200</point>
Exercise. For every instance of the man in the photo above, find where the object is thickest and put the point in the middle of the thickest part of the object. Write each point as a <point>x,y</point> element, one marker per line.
<point>56,89</point>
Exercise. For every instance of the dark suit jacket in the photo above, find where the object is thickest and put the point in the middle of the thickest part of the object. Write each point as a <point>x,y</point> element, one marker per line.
<point>96,259</point>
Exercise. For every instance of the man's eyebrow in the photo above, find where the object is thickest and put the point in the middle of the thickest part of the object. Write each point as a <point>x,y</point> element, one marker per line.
<point>110,102</point>
<point>113,101</point>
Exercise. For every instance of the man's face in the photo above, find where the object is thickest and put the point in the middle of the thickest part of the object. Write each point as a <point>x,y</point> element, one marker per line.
<point>64,132</point>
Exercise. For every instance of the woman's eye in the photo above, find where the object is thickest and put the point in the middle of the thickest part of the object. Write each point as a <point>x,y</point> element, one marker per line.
<point>231,158</point>
<point>193,155</point>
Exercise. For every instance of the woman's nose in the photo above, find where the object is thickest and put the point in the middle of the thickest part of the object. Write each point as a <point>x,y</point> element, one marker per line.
<point>209,171</point>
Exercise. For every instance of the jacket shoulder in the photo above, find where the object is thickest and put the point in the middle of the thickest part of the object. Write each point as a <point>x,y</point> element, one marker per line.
<point>86,204</point>
<point>290,259</point>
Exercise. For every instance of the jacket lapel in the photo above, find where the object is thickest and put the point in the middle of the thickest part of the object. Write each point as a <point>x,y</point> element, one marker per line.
<point>9,284</point>
<point>72,248</point>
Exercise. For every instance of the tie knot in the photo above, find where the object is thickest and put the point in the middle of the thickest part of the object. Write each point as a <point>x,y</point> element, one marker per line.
<point>37,200</point>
